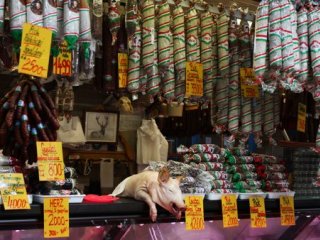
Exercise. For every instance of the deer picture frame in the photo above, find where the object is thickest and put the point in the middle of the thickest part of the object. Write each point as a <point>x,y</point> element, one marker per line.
<point>101,127</point>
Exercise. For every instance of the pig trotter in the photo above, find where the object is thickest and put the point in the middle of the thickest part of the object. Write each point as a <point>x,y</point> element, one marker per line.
<point>144,196</point>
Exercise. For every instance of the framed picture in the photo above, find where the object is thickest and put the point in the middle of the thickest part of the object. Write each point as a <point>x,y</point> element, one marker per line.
<point>101,126</point>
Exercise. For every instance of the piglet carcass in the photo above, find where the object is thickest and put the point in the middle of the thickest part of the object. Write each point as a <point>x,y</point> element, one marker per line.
<point>154,188</point>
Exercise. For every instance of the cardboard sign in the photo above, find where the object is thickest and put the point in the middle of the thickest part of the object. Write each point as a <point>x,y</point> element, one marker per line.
<point>302,115</point>
<point>287,211</point>
<point>249,85</point>
<point>194,79</point>
<point>257,212</point>
<point>229,211</point>
<point>123,69</point>
<point>35,50</point>
<point>13,191</point>
<point>50,161</point>
<point>194,213</point>
<point>62,63</point>
<point>250,91</point>
<point>56,217</point>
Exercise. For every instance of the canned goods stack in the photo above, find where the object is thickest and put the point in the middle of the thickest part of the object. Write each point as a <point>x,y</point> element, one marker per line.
<point>242,170</point>
<point>305,172</point>
<point>210,158</point>
<point>272,173</point>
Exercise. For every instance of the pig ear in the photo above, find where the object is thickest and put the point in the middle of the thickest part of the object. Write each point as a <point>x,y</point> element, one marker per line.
<point>164,175</point>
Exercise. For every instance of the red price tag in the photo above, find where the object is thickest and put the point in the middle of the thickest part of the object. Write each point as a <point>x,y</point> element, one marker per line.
<point>62,63</point>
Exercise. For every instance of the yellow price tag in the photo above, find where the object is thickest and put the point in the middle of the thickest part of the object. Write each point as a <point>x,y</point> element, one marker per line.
<point>194,213</point>
<point>50,161</point>
<point>250,91</point>
<point>247,76</point>
<point>13,191</point>
<point>257,212</point>
<point>56,217</point>
<point>287,211</point>
<point>302,115</point>
<point>194,79</point>
<point>123,69</point>
<point>229,211</point>
<point>35,50</point>
<point>62,62</point>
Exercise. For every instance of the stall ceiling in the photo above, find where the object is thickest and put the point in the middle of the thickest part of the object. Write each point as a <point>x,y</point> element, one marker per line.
<point>251,4</point>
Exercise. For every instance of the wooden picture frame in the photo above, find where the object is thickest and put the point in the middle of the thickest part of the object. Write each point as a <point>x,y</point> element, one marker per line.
<point>101,126</point>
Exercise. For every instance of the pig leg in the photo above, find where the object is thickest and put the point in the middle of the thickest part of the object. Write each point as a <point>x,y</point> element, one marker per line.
<point>144,196</point>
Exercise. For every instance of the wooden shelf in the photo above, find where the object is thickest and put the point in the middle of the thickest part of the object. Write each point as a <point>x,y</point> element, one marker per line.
<point>296,144</point>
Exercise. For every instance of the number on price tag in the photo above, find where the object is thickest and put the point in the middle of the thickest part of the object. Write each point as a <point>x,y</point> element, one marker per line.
<point>194,79</point>
<point>50,161</point>
<point>56,217</point>
<point>229,211</point>
<point>287,211</point>
<point>13,191</point>
<point>257,212</point>
<point>123,69</point>
<point>62,63</point>
<point>194,213</point>
<point>35,50</point>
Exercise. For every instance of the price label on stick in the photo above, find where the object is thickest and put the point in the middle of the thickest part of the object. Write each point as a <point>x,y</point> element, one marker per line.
<point>62,63</point>
<point>287,211</point>
<point>123,70</point>
<point>35,50</point>
<point>257,212</point>
<point>194,79</point>
<point>229,211</point>
<point>56,217</point>
<point>194,213</point>
<point>50,161</point>
<point>13,191</point>
<point>302,115</point>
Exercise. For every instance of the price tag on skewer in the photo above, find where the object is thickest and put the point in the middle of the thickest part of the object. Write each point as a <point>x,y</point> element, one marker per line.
<point>287,211</point>
<point>229,211</point>
<point>257,212</point>
<point>62,63</point>
<point>50,161</point>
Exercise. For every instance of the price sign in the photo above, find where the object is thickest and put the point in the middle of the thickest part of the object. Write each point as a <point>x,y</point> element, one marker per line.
<point>194,213</point>
<point>194,79</point>
<point>35,50</point>
<point>250,91</point>
<point>50,161</point>
<point>287,211</point>
<point>13,191</point>
<point>123,70</point>
<point>302,115</point>
<point>56,217</point>
<point>229,211</point>
<point>62,63</point>
<point>257,212</point>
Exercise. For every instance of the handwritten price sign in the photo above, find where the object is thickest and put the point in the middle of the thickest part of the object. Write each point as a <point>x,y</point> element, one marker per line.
<point>56,217</point>
<point>194,213</point>
<point>123,69</point>
<point>13,191</point>
<point>287,211</point>
<point>62,63</point>
<point>50,161</point>
<point>194,79</point>
<point>229,211</point>
<point>257,212</point>
<point>302,115</point>
<point>35,50</point>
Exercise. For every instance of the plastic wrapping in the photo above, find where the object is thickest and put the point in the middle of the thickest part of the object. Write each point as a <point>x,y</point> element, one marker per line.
<point>165,51</point>
<point>192,37</point>
<point>2,2</point>
<point>179,52</point>
<point>261,37</point>
<point>18,16</point>
<point>114,20</point>
<point>257,120</point>
<point>134,43</point>
<point>50,17</point>
<point>71,22</point>
<point>35,12</point>
<point>295,40</point>
<point>149,48</point>
<point>60,30</point>
<point>87,59</point>
<point>302,30</point>
<point>268,116</point>
<point>223,44</point>
<point>85,35</point>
